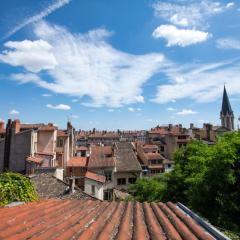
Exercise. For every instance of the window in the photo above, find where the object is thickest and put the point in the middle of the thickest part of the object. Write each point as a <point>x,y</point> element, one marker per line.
<point>107,195</point>
<point>162,148</point>
<point>108,176</point>
<point>60,142</point>
<point>132,180</point>
<point>93,190</point>
<point>155,171</point>
<point>121,181</point>
<point>154,161</point>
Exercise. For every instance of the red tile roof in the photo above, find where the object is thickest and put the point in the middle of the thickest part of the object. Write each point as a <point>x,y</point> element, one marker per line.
<point>95,176</point>
<point>81,148</point>
<point>35,159</point>
<point>87,219</point>
<point>99,157</point>
<point>77,162</point>
<point>61,133</point>
<point>2,130</point>
<point>153,156</point>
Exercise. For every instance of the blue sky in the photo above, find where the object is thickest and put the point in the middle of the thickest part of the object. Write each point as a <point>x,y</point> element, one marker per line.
<point>118,64</point>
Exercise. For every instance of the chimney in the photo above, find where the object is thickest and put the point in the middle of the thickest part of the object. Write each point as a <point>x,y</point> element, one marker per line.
<point>50,124</point>
<point>7,145</point>
<point>191,125</point>
<point>170,127</point>
<point>16,125</point>
<point>1,125</point>
<point>72,185</point>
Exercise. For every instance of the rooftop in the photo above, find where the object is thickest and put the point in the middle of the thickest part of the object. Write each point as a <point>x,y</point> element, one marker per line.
<point>86,219</point>
<point>101,157</point>
<point>126,159</point>
<point>77,162</point>
<point>95,176</point>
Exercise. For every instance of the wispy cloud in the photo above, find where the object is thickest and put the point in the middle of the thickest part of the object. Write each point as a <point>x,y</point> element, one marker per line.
<point>131,109</point>
<point>228,43</point>
<point>14,112</point>
<point>200,82</point>
<point>170,109</point>
<point>48,10</point>
<point>186,112</point>
<point>180,37</point>
<point>46,95</point>
<point>59,106</point>
<point>87,61</point>
<point>189,13</point>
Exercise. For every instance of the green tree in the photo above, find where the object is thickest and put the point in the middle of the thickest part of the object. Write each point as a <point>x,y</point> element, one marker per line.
<point>15,187</point>
<point>205,178</point>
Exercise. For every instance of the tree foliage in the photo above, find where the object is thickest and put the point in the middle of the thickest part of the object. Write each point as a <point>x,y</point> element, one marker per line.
<point>15,187</point>
<point>205,178</point>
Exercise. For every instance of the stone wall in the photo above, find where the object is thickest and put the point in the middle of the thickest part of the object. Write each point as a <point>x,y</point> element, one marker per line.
<point>1,154</point>
<point>20,150</point>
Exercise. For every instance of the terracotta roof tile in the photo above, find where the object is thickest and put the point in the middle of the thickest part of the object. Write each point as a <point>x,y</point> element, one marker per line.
<point>95,176</point>
<point>86,219</point>
<point>61,133</point>
<point>77,162</point>
<point>126,159</point>
<point>81,148</point>
<point>35,159</point>
<point>99,157</point>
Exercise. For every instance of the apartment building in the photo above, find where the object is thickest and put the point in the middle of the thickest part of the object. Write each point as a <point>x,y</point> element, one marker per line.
<point>168,138</point>
<point>151,160</point>
<point>118,165</point>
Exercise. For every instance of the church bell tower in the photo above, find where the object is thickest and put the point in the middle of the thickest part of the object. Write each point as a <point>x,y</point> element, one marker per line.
<point>226,114</point>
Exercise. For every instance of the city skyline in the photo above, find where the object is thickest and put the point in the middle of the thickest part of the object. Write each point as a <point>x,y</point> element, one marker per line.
<point>120,64</point>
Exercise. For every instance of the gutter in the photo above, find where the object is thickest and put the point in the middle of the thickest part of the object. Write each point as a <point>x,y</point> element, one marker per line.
<point>205,225</point>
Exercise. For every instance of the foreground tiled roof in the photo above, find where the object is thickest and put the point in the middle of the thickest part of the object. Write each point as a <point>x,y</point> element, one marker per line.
<point>82,219</point>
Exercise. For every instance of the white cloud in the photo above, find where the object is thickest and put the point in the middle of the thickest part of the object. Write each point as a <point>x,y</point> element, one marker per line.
<point>110,110</point>
<point>89,66</point>
<point>202,82</point>
<point>186,112</point>
<point>59,106</point>
<point>189,13</point>
<point>74,116</point>
<point>46,95</point>
<point>228,43</point>
<point>180,37</point>
<point>230,4</point>
<point>48,10</point>
<point>32,55</point>
<point>75,100</point>
<point>130,109</point>
<point>170,109</point>
<point>14,112</point>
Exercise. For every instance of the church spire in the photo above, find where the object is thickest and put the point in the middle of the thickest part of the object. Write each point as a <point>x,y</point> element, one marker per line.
<point>226,106</point>
<point>226,114</point>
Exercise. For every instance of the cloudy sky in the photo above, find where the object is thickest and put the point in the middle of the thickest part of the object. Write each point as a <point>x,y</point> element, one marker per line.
<point>118,64</point>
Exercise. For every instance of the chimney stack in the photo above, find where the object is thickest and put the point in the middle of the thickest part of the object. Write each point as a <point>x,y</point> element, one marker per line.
<point>7,145</point>
<point>191,125</point>
<point>1,125</point>
<point>16,125</point>
<point>72,185</point>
